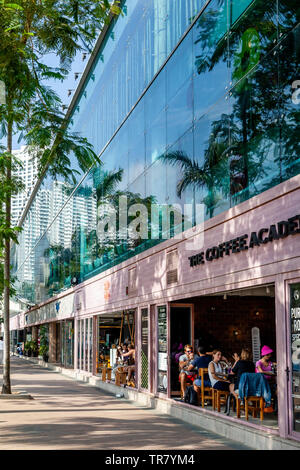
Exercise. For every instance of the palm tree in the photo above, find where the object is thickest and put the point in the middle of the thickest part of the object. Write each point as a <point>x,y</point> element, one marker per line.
<point>262,116</point>
<point>29,31</point>
<point>106,186</point>
<point>105,182</point>
<point>211,175</point>
<point>194,176</point>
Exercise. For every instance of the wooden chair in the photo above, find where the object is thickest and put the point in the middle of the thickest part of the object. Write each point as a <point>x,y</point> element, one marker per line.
<point>103,370</point>
<point>120,376</point>
<point>220,398</point>
<point>206,393</point>
<point>257,407</point>
<point>108,373</point>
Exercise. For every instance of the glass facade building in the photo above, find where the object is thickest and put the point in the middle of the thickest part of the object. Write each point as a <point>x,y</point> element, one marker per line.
<point>187,102</point>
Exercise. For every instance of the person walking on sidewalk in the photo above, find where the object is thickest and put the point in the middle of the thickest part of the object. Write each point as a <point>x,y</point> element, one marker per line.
<point>1,350</point>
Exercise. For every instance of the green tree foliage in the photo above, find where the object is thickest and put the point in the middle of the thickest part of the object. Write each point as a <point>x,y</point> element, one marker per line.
<point>90,249</point>
<point>29,30</point>
<point>7,187</point>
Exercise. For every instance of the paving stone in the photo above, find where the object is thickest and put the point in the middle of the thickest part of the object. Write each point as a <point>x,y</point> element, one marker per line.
<point>65,414</point>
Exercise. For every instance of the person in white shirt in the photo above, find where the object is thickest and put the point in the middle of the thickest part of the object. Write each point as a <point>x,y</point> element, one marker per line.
<point>1,349</point>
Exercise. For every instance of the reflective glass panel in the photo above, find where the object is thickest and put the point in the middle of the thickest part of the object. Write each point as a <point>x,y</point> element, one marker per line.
<point>211,72</point>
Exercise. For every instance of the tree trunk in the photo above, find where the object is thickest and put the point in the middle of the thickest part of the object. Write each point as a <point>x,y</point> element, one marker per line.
<point>6,387</point>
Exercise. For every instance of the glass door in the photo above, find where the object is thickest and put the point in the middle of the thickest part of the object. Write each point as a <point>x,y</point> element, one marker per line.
<point>67,343</point>
<point>90,345</point>
<point>295,356</point>
<point>86,344</point>
<point>181,333</point>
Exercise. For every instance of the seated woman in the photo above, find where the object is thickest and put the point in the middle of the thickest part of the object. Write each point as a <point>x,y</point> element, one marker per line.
<point>265,366</point>
<point>242,364</point>
<point>119,353</point>
<point>131,363</point>
<point>216,372</point>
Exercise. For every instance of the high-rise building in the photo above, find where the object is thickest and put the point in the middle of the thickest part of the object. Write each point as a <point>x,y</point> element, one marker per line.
<point>27,172</point>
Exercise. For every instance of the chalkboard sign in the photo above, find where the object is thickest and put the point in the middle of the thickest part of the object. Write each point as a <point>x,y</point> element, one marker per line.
<point>295,351</point>
<point>162,349</point>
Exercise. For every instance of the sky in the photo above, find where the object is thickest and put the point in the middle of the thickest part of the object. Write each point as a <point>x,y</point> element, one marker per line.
<point>69,83</point>
<point>61,88</point>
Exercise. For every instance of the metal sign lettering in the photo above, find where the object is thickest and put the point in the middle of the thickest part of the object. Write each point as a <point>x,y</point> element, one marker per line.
<point>265,235</point>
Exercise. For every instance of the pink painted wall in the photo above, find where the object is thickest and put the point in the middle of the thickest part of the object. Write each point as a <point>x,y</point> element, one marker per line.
<point>106,292</point>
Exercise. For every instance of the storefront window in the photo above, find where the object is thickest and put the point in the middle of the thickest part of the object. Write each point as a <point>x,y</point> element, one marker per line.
<point>144,349</point>
<point>67,343</point>
<point>114,330</point>
<point>162,384</point>
<point>78,343</point>
<point>86,345</point>
<point>81,344</point>
<point>295,352</point>
<point>91,345</point>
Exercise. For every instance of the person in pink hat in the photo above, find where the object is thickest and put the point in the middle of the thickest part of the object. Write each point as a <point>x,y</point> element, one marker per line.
<point>264,365</point>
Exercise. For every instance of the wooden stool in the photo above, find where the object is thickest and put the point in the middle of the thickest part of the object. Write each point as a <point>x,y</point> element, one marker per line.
<point>117,376</point>
<point>108,373</point>
<point>257,407</point>
<point>220,397</point>
<point>206,393</point>
<point>120,376</point>
<point>103,373</point>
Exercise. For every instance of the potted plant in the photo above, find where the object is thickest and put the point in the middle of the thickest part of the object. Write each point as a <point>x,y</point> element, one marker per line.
<point>27,348</point>
<point>44,343</point>
<point>43,351</point>
<point>34,348</point>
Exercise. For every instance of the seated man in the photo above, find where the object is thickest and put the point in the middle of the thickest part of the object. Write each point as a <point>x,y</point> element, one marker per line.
<point>184,363</point>
<point>201,361</point>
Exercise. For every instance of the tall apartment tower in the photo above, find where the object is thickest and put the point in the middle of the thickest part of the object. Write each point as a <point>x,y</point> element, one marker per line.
<point>28,174</point>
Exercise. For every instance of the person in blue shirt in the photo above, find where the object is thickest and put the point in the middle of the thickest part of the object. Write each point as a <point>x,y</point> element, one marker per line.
<point>201,361</point>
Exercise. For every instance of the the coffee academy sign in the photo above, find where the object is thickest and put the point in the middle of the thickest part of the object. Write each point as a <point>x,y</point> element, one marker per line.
<point>239,244</point>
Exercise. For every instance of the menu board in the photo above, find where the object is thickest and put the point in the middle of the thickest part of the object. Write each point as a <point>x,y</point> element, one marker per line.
<point>295,351</point>
<point>162,350</point>
<point>163,362</point>
<point>162,330</point>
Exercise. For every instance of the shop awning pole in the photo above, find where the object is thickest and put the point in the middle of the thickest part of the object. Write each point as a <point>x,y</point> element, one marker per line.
<point>130,332</point>
<point>121,327</point>
<point>133,330</point>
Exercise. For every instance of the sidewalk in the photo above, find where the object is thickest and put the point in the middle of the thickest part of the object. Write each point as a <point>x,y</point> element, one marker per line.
<point>68,415</point>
